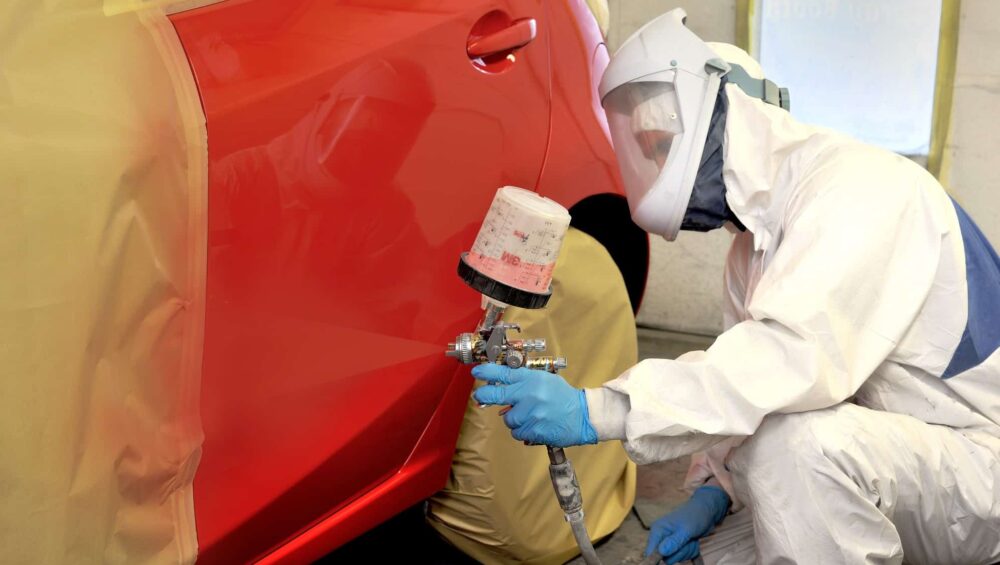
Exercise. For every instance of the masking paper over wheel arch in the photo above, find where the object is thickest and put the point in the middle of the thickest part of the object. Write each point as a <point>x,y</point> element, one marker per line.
<point>498,505</point>
<point>102,258</point>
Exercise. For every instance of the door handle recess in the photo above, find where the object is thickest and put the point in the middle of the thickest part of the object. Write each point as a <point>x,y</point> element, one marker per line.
<point>515,36</point>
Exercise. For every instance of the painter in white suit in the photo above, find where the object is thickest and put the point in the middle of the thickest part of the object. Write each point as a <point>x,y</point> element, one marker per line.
<point>853,402</point>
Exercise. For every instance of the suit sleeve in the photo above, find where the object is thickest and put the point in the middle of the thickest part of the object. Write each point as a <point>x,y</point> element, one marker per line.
<point>843,287</point>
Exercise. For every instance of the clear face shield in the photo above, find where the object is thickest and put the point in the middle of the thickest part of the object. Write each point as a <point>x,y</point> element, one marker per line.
<point>645,122</point>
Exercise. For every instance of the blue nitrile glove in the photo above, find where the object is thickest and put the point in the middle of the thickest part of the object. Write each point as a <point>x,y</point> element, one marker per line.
<point>676,535</point>
<point>545,409</point>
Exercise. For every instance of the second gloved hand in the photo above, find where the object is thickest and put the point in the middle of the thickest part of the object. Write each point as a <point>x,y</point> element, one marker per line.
<point>676,535</point>
<point>545,409</point>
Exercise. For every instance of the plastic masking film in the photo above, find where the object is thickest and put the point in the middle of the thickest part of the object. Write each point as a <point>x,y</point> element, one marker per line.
<point>601,13</point>
<point>498,505</point>
<point>102,259</point>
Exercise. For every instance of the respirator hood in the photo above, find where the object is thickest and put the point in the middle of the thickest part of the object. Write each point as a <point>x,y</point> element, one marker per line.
<point>659,92</point>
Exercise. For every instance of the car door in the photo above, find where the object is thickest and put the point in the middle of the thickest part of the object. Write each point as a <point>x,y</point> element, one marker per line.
<point>353,147</point>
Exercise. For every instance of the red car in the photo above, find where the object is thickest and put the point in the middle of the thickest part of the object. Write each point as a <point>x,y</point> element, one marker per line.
<point>353,148</point>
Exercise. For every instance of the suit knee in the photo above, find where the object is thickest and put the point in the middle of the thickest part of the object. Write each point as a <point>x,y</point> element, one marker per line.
<point>787,441</point>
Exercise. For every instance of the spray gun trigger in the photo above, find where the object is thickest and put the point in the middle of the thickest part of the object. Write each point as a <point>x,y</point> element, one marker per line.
<point>496,341</point>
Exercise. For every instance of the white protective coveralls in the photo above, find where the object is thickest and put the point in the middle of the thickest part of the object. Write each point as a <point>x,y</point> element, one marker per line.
<point>862,316</point>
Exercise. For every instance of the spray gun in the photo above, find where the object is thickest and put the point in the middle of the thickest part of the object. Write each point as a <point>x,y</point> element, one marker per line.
<point>491,344</point>
<point>511,264</point>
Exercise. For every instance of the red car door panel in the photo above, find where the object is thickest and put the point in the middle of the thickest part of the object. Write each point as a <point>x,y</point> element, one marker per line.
<point>353,147</point>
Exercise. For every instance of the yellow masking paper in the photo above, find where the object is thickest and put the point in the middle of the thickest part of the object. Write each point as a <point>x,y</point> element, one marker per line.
<point>102,259</point>
<point>498,505</point>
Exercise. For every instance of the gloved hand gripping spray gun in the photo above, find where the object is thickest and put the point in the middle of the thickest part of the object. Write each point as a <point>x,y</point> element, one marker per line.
<point>511,264</point>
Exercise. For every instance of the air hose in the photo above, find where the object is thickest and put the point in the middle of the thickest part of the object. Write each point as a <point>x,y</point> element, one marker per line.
<point>571,501</point>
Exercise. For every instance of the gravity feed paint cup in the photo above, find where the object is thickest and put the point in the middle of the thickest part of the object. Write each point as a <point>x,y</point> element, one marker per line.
<point>514,255</point>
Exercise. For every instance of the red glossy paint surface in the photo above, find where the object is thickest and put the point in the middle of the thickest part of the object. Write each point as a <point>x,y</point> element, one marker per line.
<point>580,157</point>
<point>424,472</point>
<point>354,148</point>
